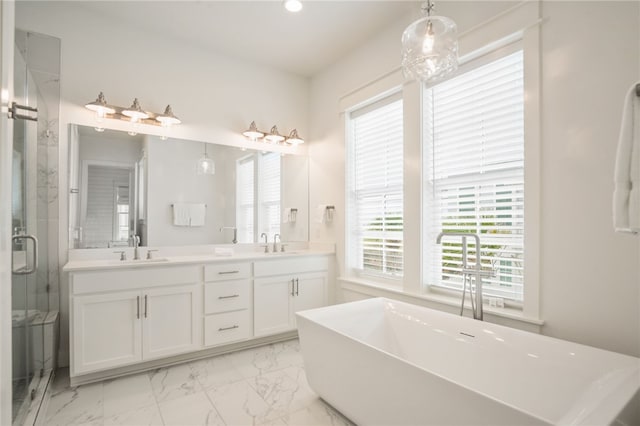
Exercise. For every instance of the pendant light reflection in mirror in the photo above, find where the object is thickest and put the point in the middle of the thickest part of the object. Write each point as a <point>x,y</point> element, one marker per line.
<point>206,165</point>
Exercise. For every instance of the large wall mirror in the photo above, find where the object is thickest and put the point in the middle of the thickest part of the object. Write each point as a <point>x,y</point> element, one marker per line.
<point>126,187</point>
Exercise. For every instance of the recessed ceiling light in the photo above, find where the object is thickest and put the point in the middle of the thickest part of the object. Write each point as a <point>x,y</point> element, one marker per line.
<point>293,5</point>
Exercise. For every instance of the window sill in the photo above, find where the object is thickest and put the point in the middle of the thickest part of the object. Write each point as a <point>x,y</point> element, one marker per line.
<point>375,289</point>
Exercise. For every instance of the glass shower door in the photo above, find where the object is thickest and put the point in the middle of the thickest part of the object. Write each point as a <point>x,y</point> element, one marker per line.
<point>27,345</point>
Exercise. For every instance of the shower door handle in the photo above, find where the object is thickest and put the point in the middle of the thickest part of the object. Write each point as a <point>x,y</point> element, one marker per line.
<point>13,112</point>
<point>26,270</point>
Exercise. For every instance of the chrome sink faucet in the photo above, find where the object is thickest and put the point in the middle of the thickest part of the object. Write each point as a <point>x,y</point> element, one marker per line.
<point>275,246</point>
<point>136,244</point>
<point>266,242</point>
<point>476,307</point>
<point>235,233</point>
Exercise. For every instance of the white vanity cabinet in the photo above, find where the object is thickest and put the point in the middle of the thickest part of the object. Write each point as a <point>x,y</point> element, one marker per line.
<point>284,286</point>
<point>227,303</point>
<point>120,317</point>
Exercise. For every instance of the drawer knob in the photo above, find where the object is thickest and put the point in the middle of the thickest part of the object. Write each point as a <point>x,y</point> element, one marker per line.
<point>229,297</point>
<point>228,328</point>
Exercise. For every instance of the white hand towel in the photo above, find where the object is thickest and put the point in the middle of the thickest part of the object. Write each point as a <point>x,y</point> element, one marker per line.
<point>626,195</point>
<point>181,214</point>
<point>197,214</point>
<point>321,211</point>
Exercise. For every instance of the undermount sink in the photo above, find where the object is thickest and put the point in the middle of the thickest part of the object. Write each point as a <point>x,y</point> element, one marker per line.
<point>280,253</point>
<point>139,261</point>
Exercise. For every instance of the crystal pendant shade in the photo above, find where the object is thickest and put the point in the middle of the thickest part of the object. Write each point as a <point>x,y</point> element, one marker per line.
<point>206,166</point>
<point>430,49</point>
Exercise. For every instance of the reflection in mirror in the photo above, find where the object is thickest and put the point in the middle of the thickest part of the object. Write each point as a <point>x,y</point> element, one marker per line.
<point>126,187</point>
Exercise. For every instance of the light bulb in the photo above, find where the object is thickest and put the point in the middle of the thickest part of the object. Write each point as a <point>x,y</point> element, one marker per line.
<point>429,39</point>
<point>293,5</point>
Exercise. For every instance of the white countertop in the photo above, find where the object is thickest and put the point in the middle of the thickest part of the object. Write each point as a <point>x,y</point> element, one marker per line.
<point>103,264</point>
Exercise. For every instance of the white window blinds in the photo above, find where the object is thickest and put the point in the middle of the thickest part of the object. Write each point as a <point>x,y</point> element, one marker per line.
<point>269,184</point>
<point>245,199</point>
<point>258,200</point>
<point>474,175</point>
<point>375,187</point>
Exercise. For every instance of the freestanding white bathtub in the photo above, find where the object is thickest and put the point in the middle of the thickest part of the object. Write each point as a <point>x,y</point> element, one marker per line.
<point>385,362</point>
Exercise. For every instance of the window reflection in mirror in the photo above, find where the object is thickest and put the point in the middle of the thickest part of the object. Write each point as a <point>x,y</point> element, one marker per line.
<point>258,212</point>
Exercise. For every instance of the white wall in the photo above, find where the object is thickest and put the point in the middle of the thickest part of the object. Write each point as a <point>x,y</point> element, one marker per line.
<point>590,276</point>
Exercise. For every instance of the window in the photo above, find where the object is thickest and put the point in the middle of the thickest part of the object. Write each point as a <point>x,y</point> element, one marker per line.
<point>257,196</point>
<point>375,187</point>
<point>474,174</point>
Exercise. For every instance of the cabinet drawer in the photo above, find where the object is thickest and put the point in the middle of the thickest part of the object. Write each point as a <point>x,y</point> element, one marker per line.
<point>128,279</point>
<point>227,271</point>
<point>224,296</point>
<point>296,265</point>
<point>227,327</point>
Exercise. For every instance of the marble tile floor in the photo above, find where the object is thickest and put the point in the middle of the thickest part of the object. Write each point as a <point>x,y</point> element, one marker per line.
<point>260,386</point>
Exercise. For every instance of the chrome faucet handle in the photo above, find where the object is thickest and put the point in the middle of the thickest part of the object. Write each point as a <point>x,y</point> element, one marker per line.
<point>282,246</point>
<point>266,248</point>
<point>149,256</point>
<point>123,254</point>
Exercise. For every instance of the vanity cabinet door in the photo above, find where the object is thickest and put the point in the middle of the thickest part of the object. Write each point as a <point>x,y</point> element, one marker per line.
<point>272,305</point>
<point>106,331</point>
<point>310,292</point>
<point>170,321</point>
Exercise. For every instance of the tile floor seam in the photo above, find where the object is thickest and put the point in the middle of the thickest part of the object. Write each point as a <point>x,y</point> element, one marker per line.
<point>206,394</point>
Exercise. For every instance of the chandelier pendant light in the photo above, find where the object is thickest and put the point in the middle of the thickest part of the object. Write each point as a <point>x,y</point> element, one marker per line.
<point>429,47</point>
<point>206,166</point>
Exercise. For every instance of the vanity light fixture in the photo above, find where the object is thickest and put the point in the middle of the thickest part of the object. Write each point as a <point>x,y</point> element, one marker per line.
<point>101,108</point>
<point>294,138</point>
<point>167,119</point>
<point>206,166</point>
<point>253,133</point>
<point>273,136</point>
<point>293,5</point>
<point>429,47</point>
<point>134,114</point>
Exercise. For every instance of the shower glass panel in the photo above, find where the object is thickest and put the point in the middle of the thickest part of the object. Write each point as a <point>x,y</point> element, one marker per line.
<point>31,196</point>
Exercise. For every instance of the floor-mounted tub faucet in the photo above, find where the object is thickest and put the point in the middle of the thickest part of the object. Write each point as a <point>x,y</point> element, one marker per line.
<point>235,233</point>
<point>476,307</point>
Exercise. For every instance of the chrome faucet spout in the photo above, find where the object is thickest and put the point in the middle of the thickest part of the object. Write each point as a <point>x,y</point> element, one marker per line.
<point>266,242</point>
<point>477,306</point>
<point>275,238</point>
<point>136,244</point>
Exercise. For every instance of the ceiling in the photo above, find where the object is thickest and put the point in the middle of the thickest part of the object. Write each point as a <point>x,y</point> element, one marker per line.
<point>263,31</point>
